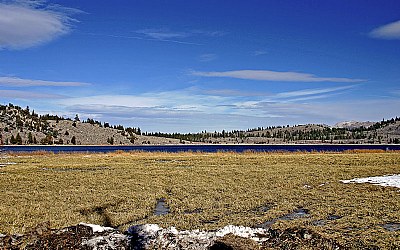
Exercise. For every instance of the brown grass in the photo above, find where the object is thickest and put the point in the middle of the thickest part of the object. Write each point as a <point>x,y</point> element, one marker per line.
<point>120,189</point>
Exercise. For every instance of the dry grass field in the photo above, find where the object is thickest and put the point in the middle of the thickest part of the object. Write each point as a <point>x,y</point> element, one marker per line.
<point>203,190</point>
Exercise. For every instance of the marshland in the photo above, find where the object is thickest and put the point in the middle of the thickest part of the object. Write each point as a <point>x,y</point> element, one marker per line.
<point>195,190</point>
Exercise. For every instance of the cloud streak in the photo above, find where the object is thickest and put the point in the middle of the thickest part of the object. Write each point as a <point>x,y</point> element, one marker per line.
<point>27,95</point>
<point>388,31</point>
<point>307,92</point>
<point>19,82</point>
<point>207,57</point>
<point>166,35</point>
<point>278,76</point>
<point>24,24</point>
<point>189,111</point>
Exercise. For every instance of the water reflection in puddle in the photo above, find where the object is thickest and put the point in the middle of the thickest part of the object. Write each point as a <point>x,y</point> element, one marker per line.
<point>161,207</point>
<point>194,211</point>
<point>392,227</point>
<point>329,218</point>
<point>297,214</point>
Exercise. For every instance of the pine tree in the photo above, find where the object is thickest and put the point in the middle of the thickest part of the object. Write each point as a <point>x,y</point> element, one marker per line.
<point>12,139</point>
<point>30,138</point>
<point>18,139</point>
<point>73,140</point>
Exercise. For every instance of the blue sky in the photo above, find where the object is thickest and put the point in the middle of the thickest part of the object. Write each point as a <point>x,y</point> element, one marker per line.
<point>188,66</point>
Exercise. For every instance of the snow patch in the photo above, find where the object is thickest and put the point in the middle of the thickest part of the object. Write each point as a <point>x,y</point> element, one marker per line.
<point>97,228</point>
<point>386,180</point>
<point>150,234</point>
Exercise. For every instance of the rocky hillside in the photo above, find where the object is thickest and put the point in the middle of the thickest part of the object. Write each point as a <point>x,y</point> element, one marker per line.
<point>20,126</point>
<point>353,124</point>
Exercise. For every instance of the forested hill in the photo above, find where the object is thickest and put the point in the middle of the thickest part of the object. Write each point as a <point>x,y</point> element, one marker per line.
<point>384,132</point>
<point>21,126</point>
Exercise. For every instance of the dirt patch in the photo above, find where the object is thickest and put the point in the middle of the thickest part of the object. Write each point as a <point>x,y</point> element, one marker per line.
<point>234,242</point>
<point>42,237</point>
<point>298,238</point>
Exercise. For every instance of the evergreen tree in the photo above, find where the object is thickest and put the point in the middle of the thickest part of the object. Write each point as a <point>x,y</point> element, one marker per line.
<point>18,139</point>
<point>73,140</point>
<point>12,139</point>
<point>30,138</point>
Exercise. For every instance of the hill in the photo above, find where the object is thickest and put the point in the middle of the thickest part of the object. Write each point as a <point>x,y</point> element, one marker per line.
<point>384,132</point>
<point>23,127</point>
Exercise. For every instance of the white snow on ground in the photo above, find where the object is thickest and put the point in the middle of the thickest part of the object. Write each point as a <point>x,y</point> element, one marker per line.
<point>97,228</point>
<point>386,180</point>
<point>170,238</point>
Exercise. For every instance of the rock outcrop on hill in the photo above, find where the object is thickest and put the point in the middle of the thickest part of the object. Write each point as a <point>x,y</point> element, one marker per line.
<point>353,124</point>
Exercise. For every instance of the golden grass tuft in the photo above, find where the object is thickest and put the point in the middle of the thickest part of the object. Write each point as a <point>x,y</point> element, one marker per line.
<point>203,190</point>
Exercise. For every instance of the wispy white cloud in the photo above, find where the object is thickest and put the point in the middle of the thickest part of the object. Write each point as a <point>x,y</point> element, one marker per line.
<point>307,92</point>
<point>145,38</point>
<point>28,95</point>
<point>388,31</point>
<point>215,33</point>
<point>162,33</point>
<point>19,82</point>
<point>166,35</point>
<point>268,75</point>
<point>260,52</point>
<point>207,57</point>
<point>194,109</point>
<point>25,24</point>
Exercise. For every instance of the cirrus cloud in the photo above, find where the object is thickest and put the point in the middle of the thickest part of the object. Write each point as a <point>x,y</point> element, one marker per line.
<point>388,31</point>
<point>24,24</point>
<point>268,75</point>
<point>19,82</point>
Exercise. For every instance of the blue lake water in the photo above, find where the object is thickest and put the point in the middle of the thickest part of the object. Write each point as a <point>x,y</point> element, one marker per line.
<point>203,148</point>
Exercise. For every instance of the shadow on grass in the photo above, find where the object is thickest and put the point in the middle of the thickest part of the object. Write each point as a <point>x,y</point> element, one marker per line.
<point>102,212</point>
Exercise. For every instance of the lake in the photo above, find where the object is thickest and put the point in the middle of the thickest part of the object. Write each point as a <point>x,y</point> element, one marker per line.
<point>204,148</point>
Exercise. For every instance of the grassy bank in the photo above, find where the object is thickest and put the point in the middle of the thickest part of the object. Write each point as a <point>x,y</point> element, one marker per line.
<point>204,191</point>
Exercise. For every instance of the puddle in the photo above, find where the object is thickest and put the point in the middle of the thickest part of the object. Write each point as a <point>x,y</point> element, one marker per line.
<point>161,207</point>
<point>266,225</point>
<point>392,227</point>
<point>334,217</point>
<point>329,218</point>
<point>297,214</point>
<point>319,222</point>
<point>194,211</point>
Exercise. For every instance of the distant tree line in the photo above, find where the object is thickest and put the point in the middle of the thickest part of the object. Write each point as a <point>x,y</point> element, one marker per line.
<point>323,134</point>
